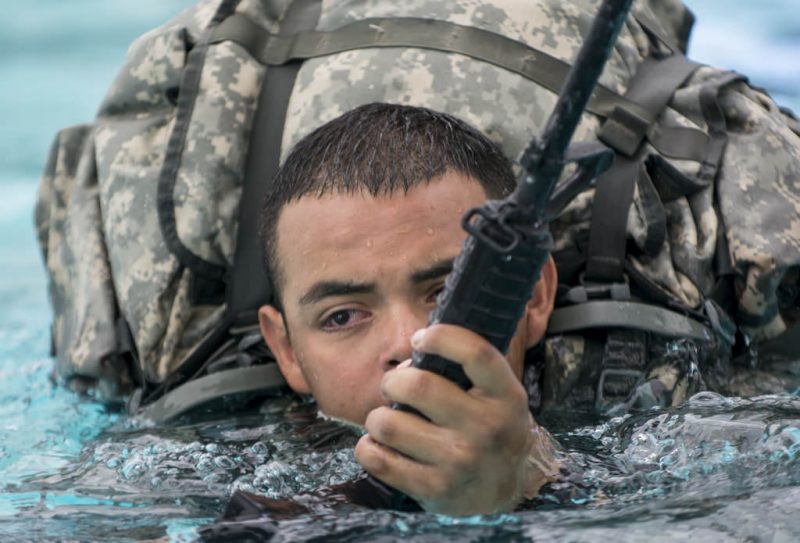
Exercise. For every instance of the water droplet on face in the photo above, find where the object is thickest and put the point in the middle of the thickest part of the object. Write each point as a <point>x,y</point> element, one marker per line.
<point>429,231</point>
<point>370,243</point>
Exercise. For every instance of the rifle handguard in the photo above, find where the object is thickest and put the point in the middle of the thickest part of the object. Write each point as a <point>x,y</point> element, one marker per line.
<point>491,282</point>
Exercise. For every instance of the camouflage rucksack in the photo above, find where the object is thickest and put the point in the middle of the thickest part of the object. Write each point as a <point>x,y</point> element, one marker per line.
<point>147,217</point>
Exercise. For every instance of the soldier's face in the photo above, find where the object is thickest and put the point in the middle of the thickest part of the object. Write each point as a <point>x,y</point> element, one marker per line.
<point>360,274</point>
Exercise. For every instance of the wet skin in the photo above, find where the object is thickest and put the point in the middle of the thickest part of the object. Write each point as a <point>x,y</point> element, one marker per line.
<point>359,275</point>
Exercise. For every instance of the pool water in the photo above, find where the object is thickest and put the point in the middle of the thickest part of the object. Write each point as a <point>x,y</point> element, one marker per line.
<point>717,469</point>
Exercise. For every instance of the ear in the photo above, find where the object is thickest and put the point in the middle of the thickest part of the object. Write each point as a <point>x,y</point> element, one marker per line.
<point>540,306</point>
<point>276,335</point>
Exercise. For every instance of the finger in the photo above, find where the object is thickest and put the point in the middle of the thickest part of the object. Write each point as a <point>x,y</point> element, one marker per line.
<point>412,436</point>
<point>486,367</point>
<point>420,481</point>
<point>436,397</point>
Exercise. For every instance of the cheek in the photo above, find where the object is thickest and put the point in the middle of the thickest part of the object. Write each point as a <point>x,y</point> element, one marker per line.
<point>344,379</point>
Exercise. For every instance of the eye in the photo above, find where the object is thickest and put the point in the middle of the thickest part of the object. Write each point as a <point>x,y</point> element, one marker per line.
<point>431,298</point>
<point>343,319</point>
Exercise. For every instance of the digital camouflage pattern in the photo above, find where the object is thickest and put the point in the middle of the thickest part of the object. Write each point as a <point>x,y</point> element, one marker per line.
<point>105,253</point>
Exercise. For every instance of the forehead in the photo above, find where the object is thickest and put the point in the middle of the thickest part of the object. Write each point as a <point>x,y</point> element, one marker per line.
<point>352,236</point>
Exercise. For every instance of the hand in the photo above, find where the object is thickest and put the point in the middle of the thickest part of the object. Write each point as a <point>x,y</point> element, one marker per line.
<point>481,451</point>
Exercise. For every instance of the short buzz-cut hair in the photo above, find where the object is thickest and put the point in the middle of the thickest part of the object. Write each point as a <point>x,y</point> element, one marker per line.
<point>379,149</point>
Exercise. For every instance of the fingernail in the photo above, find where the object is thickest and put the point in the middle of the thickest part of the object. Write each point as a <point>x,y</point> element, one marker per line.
<point>416,338</point>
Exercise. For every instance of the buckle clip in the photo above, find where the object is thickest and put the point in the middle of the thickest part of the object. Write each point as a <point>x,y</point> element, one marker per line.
<point>609,291</point>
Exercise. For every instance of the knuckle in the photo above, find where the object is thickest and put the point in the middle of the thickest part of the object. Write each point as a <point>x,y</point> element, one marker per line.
<point>381,426</point>
<point>483,350</point>
<point>369,455</point>
<point>464,456</point>
<point>373,418</point>
<point>495,434</point>
<point>418,384</point>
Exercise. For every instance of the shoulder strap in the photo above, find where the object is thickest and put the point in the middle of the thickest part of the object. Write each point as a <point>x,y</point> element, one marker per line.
<point>250,286</point>
<point>244,382</point>
<point>655,82</point>
<point>630,315</point>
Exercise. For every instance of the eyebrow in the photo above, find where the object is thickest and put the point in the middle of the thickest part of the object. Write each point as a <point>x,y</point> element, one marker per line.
<point>435,271</point>
<point>328,289</point>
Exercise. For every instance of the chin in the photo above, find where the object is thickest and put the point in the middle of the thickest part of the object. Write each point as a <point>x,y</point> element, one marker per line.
<point>340,419</point>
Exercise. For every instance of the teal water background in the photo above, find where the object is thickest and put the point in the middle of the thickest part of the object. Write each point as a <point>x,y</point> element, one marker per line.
<point>57,58</point>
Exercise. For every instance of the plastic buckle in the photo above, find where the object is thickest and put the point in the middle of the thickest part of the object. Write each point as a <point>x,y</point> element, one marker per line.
<point>611,291</point>
<point>621,374</point>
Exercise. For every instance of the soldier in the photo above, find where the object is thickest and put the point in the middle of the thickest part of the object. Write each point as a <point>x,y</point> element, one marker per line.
<point>143,245</point>
<point>361,226</point>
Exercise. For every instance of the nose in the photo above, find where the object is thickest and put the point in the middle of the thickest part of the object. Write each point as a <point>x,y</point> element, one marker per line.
<point>402,322</point>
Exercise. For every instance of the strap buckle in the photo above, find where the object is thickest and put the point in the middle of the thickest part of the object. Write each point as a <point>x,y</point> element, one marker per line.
<point>598,291</point>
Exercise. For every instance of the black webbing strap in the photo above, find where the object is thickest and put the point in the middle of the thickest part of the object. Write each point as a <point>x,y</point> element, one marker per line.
<point>608,232</point>
<point>249,285</point>
<point>652,87</point>
<point>717,124</point>
<point>679,142</point>
<point>515,56</point>
<point>262,379</point>
<point>606,314</point>
<point>653,28</point>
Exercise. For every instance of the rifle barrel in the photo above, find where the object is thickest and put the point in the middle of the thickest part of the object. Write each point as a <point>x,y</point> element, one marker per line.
<point>545,154</point>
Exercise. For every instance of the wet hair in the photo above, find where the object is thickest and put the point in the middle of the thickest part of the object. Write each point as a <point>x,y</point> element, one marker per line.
<point>379,149</point>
